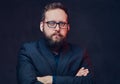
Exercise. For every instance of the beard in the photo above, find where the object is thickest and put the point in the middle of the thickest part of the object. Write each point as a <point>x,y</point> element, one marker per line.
<point>55,41</point>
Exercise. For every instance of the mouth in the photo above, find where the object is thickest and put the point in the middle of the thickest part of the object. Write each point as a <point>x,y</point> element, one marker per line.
<point>57,37</point>
<point>57,34</point>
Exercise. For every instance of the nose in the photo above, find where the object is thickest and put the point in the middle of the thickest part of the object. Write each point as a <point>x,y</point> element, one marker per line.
<point>57,27</point>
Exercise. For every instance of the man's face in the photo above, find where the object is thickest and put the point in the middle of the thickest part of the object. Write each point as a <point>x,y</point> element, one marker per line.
<point>56,34</point>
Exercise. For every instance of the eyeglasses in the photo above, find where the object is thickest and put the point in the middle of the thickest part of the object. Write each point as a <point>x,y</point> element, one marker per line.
<point>53,24</point>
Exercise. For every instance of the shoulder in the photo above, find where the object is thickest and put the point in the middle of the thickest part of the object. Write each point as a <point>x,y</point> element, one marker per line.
<point>76,48</point>
<point>29,46</point>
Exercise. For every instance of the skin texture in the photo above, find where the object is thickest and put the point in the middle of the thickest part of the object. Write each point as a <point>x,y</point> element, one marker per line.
<point>56,35</point>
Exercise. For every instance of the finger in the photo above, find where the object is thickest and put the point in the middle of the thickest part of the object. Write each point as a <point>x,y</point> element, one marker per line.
<point>86,72</point>
<point>38,78</point>
<point>80,73</point>
<point>82,68</point>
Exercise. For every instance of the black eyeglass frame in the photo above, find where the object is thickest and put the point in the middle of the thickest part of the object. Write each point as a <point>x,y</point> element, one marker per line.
<point>64,24</point>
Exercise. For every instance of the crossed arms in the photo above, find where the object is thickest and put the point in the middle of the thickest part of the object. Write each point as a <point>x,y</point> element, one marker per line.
<point>26,73</point>
<point>49,79</point>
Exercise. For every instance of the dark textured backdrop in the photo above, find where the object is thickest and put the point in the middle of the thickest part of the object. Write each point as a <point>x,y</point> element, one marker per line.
<point>95,24</point>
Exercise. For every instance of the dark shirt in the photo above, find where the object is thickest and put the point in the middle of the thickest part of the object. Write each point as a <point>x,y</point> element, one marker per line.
<point>56,60</point>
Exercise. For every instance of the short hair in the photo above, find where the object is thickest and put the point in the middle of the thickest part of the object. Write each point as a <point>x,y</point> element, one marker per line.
<point>52,6</point>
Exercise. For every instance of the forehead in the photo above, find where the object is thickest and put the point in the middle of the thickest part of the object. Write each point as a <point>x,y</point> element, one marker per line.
<point>56,15</point>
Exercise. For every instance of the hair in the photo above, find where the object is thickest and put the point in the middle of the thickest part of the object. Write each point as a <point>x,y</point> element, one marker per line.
<point>52,6</point>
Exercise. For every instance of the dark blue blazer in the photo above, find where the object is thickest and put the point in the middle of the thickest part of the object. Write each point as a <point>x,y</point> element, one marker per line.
<point>35,59</point>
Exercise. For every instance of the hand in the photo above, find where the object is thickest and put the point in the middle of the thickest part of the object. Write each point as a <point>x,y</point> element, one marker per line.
<point>82,72</point>
<point>45,79</point>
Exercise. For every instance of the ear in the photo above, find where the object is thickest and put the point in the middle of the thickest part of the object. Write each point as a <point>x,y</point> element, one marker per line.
<point>41,26</point>
<point>68,27</point>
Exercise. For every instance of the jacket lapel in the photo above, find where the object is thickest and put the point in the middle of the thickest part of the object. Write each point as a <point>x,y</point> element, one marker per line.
<point>47,55</point>
<point>64,59</point>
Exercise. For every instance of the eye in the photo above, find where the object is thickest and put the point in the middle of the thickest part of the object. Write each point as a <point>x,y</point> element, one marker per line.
<point>51,23</point>
<point>62,23</point>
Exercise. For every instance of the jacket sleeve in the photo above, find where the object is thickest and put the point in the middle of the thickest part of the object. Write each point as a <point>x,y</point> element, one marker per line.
<point>72,80</point>
<point>89,79</point>
<point>25,71</point>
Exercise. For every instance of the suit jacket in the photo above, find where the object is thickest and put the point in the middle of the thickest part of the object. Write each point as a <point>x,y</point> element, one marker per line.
<point>35,59</point>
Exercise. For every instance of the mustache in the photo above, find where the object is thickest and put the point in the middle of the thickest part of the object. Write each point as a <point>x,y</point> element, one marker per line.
<point>56,33</point>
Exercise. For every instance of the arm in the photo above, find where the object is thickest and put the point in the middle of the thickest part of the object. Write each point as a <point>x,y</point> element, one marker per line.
<point>49,79</point>
<point>83,76</point>
<point>25,70</point>
<point>26,73</point>
<point>65,80</point>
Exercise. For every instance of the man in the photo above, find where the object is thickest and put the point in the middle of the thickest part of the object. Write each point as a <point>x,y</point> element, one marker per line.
<point>52,60</point>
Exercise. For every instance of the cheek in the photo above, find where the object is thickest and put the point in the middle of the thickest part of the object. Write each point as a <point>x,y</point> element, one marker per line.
<point>47,31</point>
<point>64,32</point>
